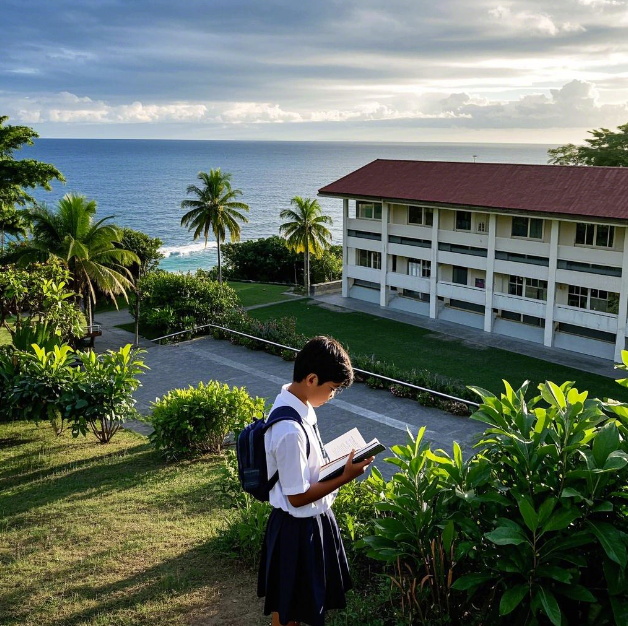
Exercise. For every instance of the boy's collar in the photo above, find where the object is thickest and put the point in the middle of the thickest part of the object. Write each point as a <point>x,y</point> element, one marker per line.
<point>306,411</point>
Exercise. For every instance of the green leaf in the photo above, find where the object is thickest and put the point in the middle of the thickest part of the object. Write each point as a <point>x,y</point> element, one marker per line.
<point>553,394</point>
<point>550,605</point>
<point>561,519</point>
<point>448,536</point>
<point>528,513</point>
<point>615,460</point>
<point>503,536</point>
<point>605,442</point>
<point>620,609</point>
<point>470,581</point>
<point>611,540</point>
<point>512,598</point>
<point>554,572</point>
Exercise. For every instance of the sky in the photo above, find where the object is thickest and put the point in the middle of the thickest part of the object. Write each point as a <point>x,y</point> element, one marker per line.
<point>341,70</point>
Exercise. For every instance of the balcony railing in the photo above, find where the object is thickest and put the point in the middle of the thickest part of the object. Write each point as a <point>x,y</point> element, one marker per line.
<point>404,281</point>
<point>363,273</point>
<point>597,320</point>
<point>454,291</point>
<point>519,304</point>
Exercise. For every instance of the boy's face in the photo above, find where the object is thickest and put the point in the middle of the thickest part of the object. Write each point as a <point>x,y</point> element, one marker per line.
<point>317,394</point>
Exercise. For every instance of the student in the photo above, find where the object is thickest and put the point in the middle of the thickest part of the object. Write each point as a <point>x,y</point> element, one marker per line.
<point>303,568</point>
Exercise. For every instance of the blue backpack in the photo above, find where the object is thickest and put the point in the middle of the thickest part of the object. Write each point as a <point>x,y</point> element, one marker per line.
<point>251,453</point>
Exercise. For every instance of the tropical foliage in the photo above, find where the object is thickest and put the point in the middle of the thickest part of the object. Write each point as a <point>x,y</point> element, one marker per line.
<point>175,302</point>
<point>17,176</point>
<point>214,208</point>
<point>36,305</point>
<point>197,419</point>
<point>306,231</point>
<point>605,148</point>
<point>89,248</point>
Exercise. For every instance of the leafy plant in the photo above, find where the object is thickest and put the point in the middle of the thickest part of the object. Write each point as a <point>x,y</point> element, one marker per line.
<point>40,383</point>
<point>100,396</point>
<point>197,419</point>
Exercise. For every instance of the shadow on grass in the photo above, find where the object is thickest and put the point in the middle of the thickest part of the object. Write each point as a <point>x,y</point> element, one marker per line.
<point>121,470</point>
<point>199,567</point>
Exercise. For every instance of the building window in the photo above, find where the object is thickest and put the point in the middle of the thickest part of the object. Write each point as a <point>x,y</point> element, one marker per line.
<point>528,227</point>
<point>529,287</point>
<point>420,215</point>
<point>598,235</point>
<point>369,210</point>
<point>394,263</point>
<point>419,267</point>
<point>368,258</point>
<point>577,296</point>
<point>459,275</point>
<point>463,220</point>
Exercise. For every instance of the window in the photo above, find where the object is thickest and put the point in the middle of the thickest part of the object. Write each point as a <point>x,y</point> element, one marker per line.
<point>369,210</point>
<point>367,258</point>
<point>420,215</point>
<point>524,319</point>
<point>529,287</point>
<point>417,267</point>
<point>590,268</point>
<point>522,258</point>
<point>577,296</point>
<point>408,241</point>
<point>394,263</point>
<point>463,220</point>
<point>360,234</point>
<point>460,275</point>
<point>598,235</point>
<point>528,227</point>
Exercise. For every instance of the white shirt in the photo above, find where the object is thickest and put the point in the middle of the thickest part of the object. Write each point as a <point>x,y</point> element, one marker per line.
<point>286,451</point>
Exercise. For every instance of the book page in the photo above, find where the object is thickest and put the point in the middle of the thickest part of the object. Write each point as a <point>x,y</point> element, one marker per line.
<point>341,446</point>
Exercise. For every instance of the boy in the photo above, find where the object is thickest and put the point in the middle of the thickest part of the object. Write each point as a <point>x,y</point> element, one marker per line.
<point>303,569</point>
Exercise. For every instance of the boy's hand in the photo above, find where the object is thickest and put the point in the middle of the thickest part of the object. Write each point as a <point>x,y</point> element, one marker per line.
<point>353,470</point>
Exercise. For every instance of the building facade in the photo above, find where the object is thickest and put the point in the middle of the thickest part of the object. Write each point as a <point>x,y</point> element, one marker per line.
<point>533,252</point>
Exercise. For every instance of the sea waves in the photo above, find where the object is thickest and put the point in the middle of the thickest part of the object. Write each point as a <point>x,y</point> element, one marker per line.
<point>187,249</point>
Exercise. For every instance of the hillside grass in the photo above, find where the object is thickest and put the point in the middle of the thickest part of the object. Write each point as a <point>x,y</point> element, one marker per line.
<point>106,535</point>
<point>252,294</point>
<point>409,346</point>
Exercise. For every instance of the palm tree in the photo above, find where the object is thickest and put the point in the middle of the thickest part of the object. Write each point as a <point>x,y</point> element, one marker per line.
<point>306,231</point>
<point>215,207</point>
<point>88,248</point>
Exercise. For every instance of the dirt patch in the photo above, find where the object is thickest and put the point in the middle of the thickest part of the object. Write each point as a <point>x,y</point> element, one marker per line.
<point>234,602</point>
<point>332,307</point>
<point>465,342</point>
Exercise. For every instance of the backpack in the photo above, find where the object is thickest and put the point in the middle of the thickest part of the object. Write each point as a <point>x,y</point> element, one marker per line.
<point>251,453</point>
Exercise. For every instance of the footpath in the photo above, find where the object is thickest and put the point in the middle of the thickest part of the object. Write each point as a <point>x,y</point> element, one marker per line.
<point>376,413</point>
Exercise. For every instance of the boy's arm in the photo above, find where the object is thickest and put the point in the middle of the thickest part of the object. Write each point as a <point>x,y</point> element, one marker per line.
<point>319,490</point>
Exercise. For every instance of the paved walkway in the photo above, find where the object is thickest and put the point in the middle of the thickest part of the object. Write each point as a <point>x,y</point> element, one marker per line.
<point>375,413</point>
<point>469,335</point>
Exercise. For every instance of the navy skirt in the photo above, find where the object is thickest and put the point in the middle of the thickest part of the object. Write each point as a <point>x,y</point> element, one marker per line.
<point>303,570</point>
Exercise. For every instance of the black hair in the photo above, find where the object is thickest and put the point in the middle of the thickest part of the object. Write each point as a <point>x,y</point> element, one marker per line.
<point>326,358</point>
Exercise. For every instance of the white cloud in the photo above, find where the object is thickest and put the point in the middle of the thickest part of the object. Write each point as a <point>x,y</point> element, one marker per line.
<point>534,23</point>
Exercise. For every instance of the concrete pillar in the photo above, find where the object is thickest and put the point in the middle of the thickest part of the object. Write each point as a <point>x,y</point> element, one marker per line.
<point>345,249</point>
<point>622,312</point>
<point>548,335</point>
<point>383,290</point>
<point>434,262</point>
<point>490,272</point>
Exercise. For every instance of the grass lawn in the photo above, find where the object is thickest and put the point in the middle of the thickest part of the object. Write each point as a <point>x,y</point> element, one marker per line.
<point>413,347</point>
<point>106,535</point>
<point>5,336</point>
<point>251,294</point>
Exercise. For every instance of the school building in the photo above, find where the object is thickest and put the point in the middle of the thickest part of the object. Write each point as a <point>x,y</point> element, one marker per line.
<point>537,252</point>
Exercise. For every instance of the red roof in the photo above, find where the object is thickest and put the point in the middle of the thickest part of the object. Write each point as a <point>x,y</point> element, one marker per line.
<point>586,191</point>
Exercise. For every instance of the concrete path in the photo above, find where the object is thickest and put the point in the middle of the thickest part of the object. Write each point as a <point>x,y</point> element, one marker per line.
<point>472,336</point>
<point>376,413</point>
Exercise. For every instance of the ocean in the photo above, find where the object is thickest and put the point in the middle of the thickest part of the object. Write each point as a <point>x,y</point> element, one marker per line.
<point>142,182</point>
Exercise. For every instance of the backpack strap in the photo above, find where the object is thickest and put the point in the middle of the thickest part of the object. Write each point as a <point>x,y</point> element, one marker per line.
<point>281,414</point>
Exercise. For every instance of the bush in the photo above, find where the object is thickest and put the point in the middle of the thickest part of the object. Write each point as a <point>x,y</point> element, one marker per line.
<point>197,419</point>
<point>327,267</point>
<point>101,394</point>
<point>533,527</point>
<point>175,302</point>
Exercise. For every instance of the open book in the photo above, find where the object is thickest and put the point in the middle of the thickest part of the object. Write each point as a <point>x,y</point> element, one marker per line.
<point>340,448</point>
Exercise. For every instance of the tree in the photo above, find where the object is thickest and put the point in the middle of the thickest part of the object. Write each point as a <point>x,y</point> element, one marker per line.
<point>147,251</point>
<point>16,176</point>
<point>306,231</point>
<point>606,148</point>
<point>215,207</point>
<point>88,248</point>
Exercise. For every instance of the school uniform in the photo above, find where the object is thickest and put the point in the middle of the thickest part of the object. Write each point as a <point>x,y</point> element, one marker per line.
<point>303,568</point>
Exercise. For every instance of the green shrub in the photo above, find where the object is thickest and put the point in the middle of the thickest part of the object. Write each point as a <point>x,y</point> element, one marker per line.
<point>40,382</point>
<point>533,527</point>
<point>9,367</point>
<point>100,396</point>
<point>175,302</point>
<point>197,419</point>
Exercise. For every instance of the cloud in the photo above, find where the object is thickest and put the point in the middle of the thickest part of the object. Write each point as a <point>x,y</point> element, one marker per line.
<point>575,104</point>
<point>526,21</point>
